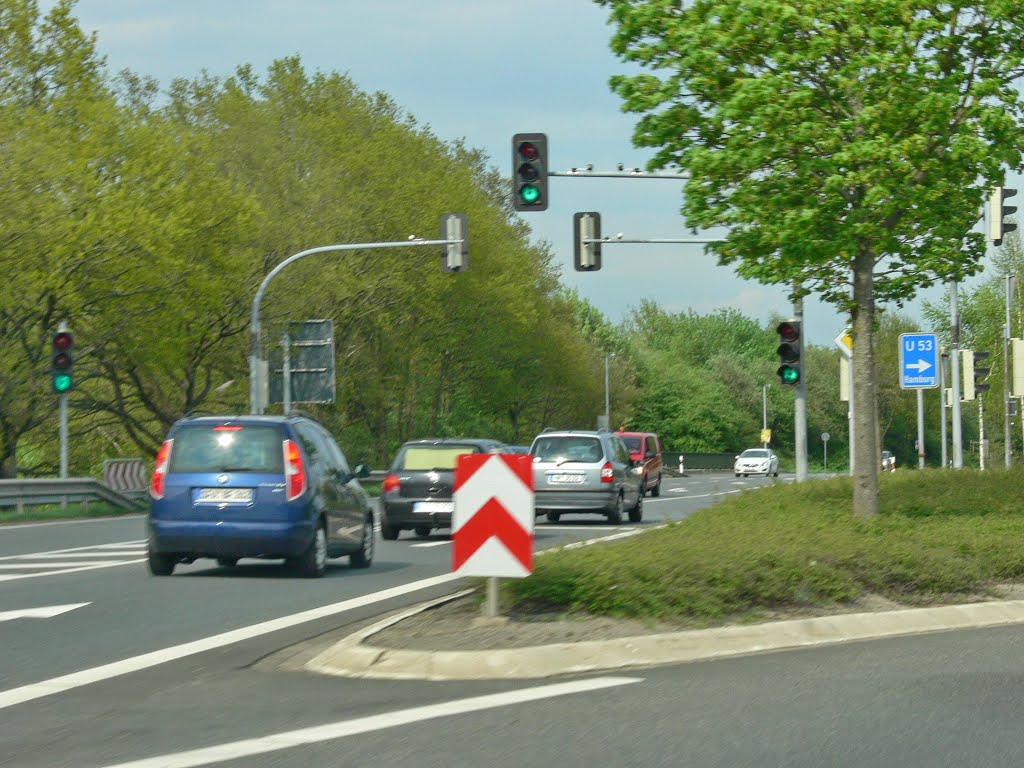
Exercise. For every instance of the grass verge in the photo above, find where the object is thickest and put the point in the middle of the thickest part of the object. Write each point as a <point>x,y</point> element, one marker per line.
<point>43,512</point>
<point>941,537</point>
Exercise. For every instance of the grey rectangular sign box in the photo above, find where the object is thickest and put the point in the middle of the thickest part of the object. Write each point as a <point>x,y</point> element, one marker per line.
<point>311,362</point>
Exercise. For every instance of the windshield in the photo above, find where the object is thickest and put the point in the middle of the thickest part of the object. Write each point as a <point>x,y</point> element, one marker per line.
<point>633,442</point>
<point>754,453</point>
<point>227,448</point>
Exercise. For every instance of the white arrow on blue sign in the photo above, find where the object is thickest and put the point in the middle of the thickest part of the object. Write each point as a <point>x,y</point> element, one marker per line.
<point>919,360</point>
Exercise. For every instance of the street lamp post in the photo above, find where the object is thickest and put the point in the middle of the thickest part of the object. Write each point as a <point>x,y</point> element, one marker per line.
<point>607,400</point>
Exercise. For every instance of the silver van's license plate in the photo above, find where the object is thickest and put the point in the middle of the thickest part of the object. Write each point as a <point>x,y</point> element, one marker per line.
<point>564,478</point>
<point>226,494</point>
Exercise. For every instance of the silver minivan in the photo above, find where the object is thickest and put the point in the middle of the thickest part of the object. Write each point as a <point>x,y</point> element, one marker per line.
<point>586,471</point>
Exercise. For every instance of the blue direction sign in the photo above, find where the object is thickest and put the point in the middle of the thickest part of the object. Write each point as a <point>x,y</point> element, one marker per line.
<point>919,357</point>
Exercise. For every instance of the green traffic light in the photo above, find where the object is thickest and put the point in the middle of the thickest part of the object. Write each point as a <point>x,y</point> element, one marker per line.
<point>529,193</point>
<point>61,382</point>
<point>789,374</point>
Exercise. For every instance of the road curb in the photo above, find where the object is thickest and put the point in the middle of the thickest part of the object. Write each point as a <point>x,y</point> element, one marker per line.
<point>354,656</point>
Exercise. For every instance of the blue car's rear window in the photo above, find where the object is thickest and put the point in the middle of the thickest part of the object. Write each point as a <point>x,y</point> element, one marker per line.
<point>227,448</point>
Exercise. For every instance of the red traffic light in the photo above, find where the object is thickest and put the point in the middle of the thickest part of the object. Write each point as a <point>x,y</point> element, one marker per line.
<point>62,341</point>
<point>788,331</point>
<point>528,150</point>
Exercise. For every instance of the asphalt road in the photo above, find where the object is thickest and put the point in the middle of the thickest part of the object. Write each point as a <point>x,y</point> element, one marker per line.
<point>150,669</point>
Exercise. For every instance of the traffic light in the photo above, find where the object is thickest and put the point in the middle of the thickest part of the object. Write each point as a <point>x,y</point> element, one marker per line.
<point>454,255</point>
<point>61,360</point>
<point>789,352</point>
<point>586,229</point>
<point>972,374</point>
<point>998,211</point>
<point>980,374</point>
<point>530,171</point>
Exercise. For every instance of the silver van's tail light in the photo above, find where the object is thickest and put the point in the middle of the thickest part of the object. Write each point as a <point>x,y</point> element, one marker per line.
<point>294,471</point>
<point>607,472</point>
<point>163,458</point>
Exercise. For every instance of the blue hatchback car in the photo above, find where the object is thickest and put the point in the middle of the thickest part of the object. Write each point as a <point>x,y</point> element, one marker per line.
<point>228,487</point>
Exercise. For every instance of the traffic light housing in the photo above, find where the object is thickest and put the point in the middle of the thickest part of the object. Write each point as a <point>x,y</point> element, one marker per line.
<point>530,172</point>
<point>980,374</point>
<point>973,375</point>
<point>790,363</point>
<point>61,361</point>
<point>586,229</point>
<point>998,212</point>
<point>455,255</point>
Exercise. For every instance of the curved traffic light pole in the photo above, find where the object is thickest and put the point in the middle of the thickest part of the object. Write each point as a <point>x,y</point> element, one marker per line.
<point>256,404</point>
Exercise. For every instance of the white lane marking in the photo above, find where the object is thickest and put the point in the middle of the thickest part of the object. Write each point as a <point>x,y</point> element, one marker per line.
<point>560,527</point>
<point>53,562</point>
<point>97,553</point>
<point>24,693</point>
<point>73,549</point>
<point>56,571</point>
<point>432,543</point>
<point>613,537</point>
<point>18,526</point>
<point>712,495</point>
<point>63,565</point>
<point>236,750</point>
<point>43,612</point>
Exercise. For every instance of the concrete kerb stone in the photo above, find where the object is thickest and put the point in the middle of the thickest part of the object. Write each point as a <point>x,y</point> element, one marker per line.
<point>353,656</point>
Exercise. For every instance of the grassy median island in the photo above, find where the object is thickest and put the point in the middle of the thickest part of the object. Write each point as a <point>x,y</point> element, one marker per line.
<point>942,537</point>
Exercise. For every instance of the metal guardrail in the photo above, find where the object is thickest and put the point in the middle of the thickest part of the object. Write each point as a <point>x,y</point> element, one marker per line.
<point>47,490</point>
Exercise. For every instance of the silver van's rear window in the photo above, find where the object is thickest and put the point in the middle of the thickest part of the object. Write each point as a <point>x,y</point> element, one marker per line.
<point>227,448</point>
<point>572,448</point>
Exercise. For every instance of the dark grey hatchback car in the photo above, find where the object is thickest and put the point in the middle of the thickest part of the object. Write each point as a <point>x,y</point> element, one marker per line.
<point>417,491</point>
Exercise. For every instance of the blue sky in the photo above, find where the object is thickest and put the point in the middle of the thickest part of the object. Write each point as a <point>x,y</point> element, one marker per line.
<point>480,70</point>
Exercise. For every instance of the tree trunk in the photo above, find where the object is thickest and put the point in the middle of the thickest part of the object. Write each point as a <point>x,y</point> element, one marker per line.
<point>866,456</point>
<point>9,462</point>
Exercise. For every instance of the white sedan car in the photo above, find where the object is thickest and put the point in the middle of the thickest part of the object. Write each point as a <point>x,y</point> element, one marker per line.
<point>757,461</point>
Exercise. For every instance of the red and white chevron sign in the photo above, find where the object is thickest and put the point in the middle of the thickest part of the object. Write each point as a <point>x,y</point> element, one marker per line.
<point>492,523</point>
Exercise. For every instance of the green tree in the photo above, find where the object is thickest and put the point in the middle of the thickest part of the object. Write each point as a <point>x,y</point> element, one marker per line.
<point>846,147</point>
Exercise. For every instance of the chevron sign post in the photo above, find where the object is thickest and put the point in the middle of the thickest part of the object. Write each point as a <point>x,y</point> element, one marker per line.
<point>492,523</point>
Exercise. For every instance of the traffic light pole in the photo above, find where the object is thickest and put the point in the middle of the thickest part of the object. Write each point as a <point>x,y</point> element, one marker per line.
<point>800,405</point>
<point>954,377</point>
<point>1007,449</point>
<point>256,363</point>
<point>63,398</point>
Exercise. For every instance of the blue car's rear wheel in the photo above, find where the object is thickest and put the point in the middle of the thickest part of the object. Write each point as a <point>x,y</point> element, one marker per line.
<point>161,564</point>
<point>313,562</point>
